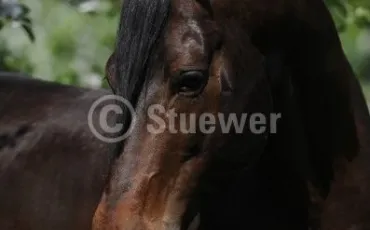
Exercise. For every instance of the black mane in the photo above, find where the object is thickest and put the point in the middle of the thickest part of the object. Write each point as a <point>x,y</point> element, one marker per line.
<point>141,24</point>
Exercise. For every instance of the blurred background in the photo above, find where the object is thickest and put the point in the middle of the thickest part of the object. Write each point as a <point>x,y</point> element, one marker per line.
<point>69,41</point>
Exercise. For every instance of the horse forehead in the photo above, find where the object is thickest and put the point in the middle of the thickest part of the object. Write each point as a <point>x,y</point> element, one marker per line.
<point>186,32</point>
<point>184,29</point>
<point>190,20</point>
<point>190,8</point>
<point>182,6</point>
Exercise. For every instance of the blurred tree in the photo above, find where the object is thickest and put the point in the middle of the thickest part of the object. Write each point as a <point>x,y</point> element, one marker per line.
<point>14,12</point>
<point>350,13</point>
<point>352,19</point>
<point>73,41</point>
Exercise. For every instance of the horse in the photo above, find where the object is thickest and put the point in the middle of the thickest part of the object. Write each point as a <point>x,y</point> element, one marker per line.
<point>53,168</point>
<point>348,205</point>
<point>278,62</point>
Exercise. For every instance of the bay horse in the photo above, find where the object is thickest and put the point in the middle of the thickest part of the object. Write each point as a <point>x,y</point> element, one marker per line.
<point>52,168</point>
<point>231,57</point>
<point>348,203</point>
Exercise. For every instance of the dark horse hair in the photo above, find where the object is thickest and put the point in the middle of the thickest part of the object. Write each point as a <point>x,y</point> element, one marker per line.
<point>141,25</point>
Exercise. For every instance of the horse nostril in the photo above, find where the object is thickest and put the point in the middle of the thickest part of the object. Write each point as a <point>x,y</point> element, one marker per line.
<point>193,151</point>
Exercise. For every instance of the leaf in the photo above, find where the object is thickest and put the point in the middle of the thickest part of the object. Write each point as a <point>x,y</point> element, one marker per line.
<point>25,9</point>
<point>17,12</point>
<point>26,21</point>
<point>362,17</point>
<point>29,32</point>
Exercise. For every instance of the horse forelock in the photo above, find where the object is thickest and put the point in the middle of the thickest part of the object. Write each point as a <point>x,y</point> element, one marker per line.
<point>141,25</point>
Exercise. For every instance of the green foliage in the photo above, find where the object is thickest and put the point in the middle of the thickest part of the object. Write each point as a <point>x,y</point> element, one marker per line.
<point>14,12</point>
<point>352,18</point>
<point>348,13</point>
<point>73,42</point>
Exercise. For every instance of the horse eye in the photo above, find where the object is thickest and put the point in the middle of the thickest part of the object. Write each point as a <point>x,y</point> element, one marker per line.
<point>190,83</point>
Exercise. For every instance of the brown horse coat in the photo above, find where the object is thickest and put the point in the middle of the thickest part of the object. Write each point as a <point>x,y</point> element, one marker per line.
<point>52,168</point>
